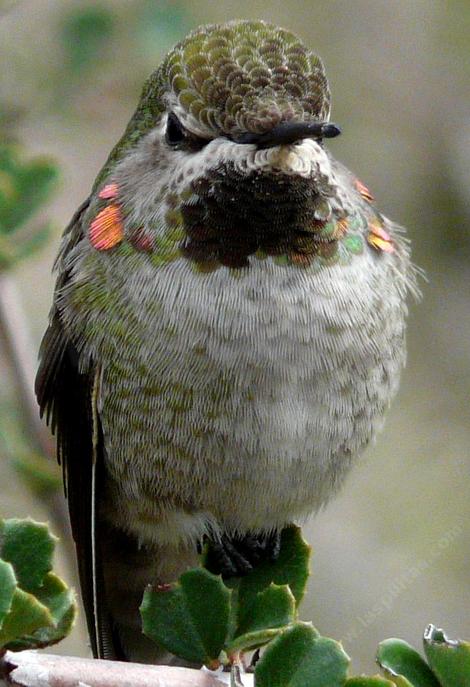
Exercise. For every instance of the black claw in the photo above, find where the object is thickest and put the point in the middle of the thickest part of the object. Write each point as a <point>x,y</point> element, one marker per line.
<point>237,556</point>
<point>273,545</point>
<point>226,559</point>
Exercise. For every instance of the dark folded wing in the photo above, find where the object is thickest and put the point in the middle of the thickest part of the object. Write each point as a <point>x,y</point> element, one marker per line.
<point>66,397</point>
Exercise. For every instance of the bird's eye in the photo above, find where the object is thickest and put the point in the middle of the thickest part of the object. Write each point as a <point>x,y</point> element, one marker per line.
<point>174,133</point>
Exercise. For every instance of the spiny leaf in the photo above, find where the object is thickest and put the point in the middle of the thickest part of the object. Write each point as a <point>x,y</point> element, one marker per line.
<point>26,616</point>
<point>272,611</point>
<point>273,607</point>
<point>43,611</point>
<point>28,546</point>
<point>449,659</point>
<point>399,660</point>
<point>300,658</point>
<point>189,618</point>
<point>253,640</point>
<point>60,600</point>
<point>291,568</point>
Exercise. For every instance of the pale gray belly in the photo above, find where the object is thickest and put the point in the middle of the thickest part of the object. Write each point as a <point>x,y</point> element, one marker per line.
<point>242,402</point>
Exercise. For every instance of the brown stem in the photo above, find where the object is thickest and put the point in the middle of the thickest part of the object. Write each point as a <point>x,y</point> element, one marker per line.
<point>32,669</point>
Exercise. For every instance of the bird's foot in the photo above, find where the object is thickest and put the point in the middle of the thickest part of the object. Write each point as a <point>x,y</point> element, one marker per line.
<point>238,555</point>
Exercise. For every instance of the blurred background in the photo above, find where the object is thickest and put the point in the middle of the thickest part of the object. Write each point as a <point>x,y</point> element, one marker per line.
<point>391,553</point>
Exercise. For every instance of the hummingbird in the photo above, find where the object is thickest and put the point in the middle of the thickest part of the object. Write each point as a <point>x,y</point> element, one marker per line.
<point>227,328</point>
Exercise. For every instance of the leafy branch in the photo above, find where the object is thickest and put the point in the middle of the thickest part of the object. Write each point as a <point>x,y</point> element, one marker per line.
<point>36,607</point>
<point>205,620</point>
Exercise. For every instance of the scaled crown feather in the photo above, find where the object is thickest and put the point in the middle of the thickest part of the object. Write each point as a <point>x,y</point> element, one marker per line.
<point>246,76</point>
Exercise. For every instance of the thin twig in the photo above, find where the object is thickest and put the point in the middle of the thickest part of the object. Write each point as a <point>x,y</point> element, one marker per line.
<point>34,669</point>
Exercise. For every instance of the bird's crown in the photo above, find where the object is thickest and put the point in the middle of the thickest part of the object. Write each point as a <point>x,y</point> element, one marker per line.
<point>234,78</point>
<point>244,76</point>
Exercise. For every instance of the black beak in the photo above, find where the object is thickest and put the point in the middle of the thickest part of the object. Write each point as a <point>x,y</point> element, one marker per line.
<point>289,132</point>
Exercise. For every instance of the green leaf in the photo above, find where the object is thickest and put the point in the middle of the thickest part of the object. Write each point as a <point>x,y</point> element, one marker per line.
<point>60,600</point>
<point>26,616</point>
<point>44,613</point>
<point>253,640</point>
<point>189,618</point>
<point>291,568</point>
<point>449,659</point>
<point>366,681</point>
<point>400,660</point>
<point>398,680</point>
<point>300,658</point>
<point>273,607</point>
<point>28,546</point>
<point>7,588</point>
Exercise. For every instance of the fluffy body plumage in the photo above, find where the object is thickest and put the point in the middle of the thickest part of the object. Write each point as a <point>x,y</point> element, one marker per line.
<point>235,321</point>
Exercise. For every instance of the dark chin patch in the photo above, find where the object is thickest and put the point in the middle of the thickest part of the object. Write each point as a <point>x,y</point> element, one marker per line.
<point>230,216</point>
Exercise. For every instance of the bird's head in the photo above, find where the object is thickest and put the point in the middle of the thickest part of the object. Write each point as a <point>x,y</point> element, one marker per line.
<point>226,146</point>
<point>249,82</point>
